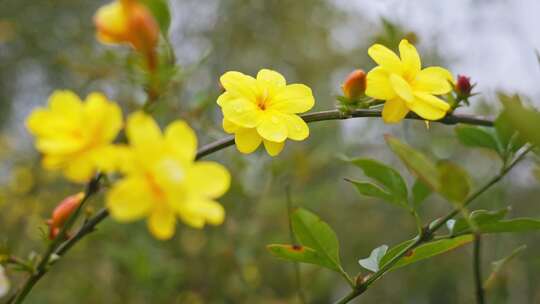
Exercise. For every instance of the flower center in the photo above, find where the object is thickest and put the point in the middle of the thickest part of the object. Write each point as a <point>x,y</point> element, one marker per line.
<point>262,99</point>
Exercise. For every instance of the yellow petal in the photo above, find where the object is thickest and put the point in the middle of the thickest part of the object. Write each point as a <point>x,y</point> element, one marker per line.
<point>387,59</point>
<point>409,57</point>
<point>59,145</point>
<point>272,127</point>
<point>239,85</point>
<point>229,126</point>
<point>428,106</point>
<point>129,199</point>
<point>247,140</point>
<point>144,134</point>
<point>433,80</point>
<point>224,98</point>
<point>294,98</point>
<point>401,87</point>
<point>208,179</point>
<point>80,169</point>
<point>108,158</point>
<point>102,118</point>
<point>273,148</point>
<point>199,211</point>
<point>54,162</point>
<point>162,222</point>
<point>394,110</point>
<point>242,112</point>
<point>297,129</point>
<point>65,103</point>
<point>271,77</point>
<point>181,140</point>
<point>378,84</point>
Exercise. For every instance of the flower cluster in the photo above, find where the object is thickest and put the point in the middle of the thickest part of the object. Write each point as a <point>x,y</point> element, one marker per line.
<point>405,86</point>
<point>264,110</point>
<point>160,177</point>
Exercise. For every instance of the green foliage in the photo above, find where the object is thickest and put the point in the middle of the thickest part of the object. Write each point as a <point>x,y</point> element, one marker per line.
<point>372,263</point>
<point>494,222</point>
<point>320,245</point>
<point>498,266</point>
<point>476,137</point>
<point>160,11</point>
<point>424,251</point>
<point>419,193</point>
<point>391,187</point>
<point>416,162</point>
<point>299,253</point>
<point>455,182</point>
<point>509,138</point>
<point>524,120</point>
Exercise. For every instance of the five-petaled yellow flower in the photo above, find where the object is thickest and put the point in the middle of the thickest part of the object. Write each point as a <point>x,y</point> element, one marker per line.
<point>405,86</point>
<point>76,136</point>
<point>162,180</point>
<point>264,110</point>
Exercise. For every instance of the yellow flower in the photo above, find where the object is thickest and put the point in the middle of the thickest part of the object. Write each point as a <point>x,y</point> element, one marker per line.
<point>405,86</point>
<point>127,21</point>
<point>76,136</point>
<point>263,110</point>
<point>163,181</point>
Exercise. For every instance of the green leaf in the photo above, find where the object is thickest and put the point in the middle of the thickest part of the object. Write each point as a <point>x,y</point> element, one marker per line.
<point>507,136</point>
<point>424,251</point>
<point>524,120</point>
<point>476,137</point>
<point>455,182</point>
<point>498,265</point>
<point>390,180</point>
<point>480,218</point>
<point>419,193</point>
<point>160,11</point>
<point>494,222</point>
<point>372,262</point>
<point>298,253</point>
<point>312,232</point>
<point>416,162</point>
<point>372,190</point>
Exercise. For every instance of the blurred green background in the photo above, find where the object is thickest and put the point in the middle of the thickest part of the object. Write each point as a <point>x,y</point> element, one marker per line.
<point>47,45</point>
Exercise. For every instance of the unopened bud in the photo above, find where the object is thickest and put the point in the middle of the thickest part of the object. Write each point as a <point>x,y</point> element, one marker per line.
<point>463,86</point>
<point>354,85</point>
<point>62,212</point>
<point>127,21</point>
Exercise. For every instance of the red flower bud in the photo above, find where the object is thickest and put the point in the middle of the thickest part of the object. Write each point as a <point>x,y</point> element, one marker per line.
<point>62,212</point>
<point>463,86</point>
<point>354,85</point>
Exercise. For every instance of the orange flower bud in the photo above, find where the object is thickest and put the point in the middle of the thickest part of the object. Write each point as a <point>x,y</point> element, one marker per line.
<point>62,212</point>
<point>127,21</point>
<point>354,85</point>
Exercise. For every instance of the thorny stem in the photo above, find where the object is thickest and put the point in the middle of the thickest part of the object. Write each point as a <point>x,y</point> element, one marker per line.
<point>428,231</point>
<point>59,247</point>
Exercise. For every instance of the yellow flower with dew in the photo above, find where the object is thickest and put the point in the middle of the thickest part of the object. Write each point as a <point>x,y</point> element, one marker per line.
<point>162,180</point>
<point>263,110</point>
<point>75,136</point>
<point>405,86</point>
<point>127,21</point>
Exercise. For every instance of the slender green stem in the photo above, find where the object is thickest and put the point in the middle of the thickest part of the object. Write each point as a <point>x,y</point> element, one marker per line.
<point>429,230</point>
<point>59,247</point>
<point>297,273</point>
<point>477,266</point>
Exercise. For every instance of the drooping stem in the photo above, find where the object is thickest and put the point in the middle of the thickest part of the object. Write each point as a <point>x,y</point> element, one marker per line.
<point>59,247</point>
